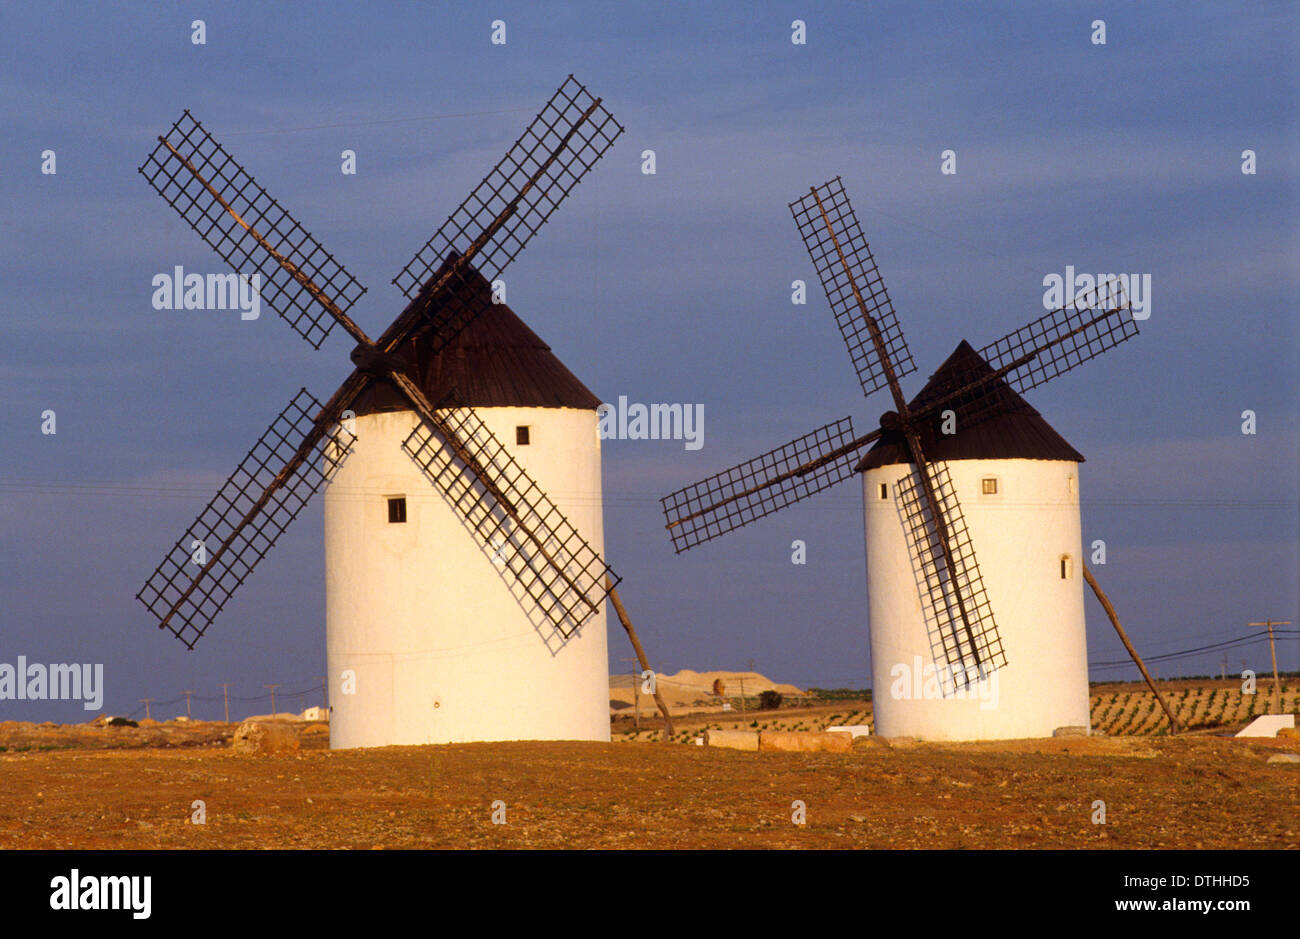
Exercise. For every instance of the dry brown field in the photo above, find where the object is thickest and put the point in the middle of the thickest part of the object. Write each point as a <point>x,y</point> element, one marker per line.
<point>76,786</point>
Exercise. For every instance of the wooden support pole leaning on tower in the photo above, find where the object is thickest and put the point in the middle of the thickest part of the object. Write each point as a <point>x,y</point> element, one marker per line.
<point>640,656</point>
<point>636,696</point>
<point>1123,636</point>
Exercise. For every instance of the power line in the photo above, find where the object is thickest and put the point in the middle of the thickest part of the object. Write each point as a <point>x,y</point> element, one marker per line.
<point>1201,650</point>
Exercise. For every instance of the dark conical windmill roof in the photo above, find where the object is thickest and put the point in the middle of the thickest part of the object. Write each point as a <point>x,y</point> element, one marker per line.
<point>1007,427</point>
<point>495,361</point>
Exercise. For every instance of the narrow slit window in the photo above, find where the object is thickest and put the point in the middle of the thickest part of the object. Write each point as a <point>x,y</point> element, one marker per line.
<point>989,486</point>
<point>884,490</point>
<point>1067,567</point>
<point>521,435</point>
<point>396,509</point>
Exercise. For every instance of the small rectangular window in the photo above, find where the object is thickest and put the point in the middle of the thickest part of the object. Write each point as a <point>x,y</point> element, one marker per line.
<point>990,486</point>
<point>1067,568</point>
<point>521,435</point>
<point>396,509</point>
<point>884,490</point>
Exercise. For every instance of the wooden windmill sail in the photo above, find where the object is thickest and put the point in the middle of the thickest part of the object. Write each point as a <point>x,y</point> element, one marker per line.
<point>969,645</point>
<point>548,558</point>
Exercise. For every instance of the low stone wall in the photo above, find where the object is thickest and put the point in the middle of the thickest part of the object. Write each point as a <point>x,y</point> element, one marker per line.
<point>781,741</point>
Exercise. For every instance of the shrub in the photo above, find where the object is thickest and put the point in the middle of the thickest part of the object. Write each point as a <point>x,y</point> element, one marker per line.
<point>769,700</point>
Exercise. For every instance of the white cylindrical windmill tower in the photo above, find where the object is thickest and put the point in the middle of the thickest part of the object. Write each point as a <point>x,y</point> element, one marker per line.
<point>1016,480</point>
<point>430,639</point>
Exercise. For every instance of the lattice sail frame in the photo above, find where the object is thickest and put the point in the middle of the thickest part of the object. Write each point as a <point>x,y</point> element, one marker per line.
<point>497,220</point>
<point>292,298</point>
<point>1094,322</point>
<point>507,183</point>
<point>273,451</point>
<point>958,664</point>
<point>746,485</point>
<point>568,587</point>
<point>838,283</point>
<point>222,202</point>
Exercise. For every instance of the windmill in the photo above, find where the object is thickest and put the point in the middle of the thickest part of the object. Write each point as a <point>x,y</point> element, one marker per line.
<point>924,453</point>
<point>546,567</point>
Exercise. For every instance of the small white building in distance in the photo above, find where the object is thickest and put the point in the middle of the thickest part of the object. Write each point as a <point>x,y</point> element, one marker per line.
<point>1017,482</point>
<point>429,640</point>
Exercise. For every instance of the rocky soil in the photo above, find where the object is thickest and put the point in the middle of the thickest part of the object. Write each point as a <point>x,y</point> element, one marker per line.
<point>1159,792</point>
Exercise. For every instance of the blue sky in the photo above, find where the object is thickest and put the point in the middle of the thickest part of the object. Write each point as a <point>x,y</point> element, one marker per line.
<point>670,288</point>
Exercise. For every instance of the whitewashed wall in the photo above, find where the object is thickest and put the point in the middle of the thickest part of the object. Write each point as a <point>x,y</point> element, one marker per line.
<point>1019,535</point>
<point>441,649</point>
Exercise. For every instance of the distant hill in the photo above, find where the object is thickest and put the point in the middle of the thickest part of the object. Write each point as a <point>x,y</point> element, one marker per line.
<point>689,688</point>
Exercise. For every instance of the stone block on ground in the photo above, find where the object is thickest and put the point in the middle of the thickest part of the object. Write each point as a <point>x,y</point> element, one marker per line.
<point>265,737</point>
<point>855,730</point>
<point>732,739</point>
<point>1267,725</point>
<point>793,741</point>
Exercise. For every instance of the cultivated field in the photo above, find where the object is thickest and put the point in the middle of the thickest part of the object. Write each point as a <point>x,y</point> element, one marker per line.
<point>1118,709</point>
<point>77,786</point>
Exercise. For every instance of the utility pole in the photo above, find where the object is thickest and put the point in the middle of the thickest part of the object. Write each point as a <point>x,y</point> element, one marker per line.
<point>187,701</point>
<point>225,695</point>
<point>1223,669</point>
<point>1272,651</point>
<point>146,701</point>
<point>272,687</point>
<point>324,692</point>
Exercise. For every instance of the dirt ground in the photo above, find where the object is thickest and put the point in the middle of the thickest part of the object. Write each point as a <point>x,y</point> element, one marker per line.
<point>73,791</point>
